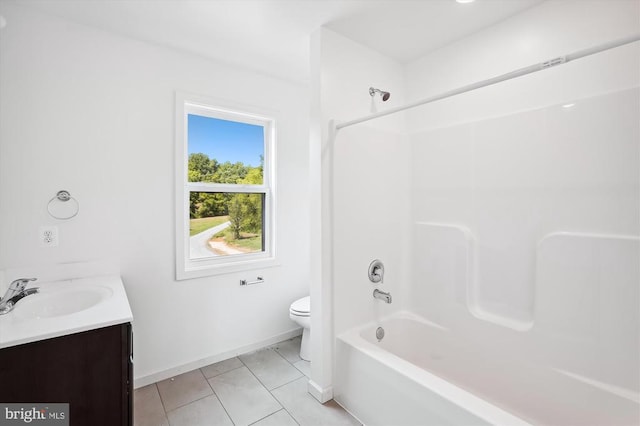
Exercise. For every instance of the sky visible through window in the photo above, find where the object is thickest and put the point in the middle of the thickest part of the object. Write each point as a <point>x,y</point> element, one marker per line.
<point>225,140</point>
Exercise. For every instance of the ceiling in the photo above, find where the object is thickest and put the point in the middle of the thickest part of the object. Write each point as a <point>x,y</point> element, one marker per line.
<point>272,36</point>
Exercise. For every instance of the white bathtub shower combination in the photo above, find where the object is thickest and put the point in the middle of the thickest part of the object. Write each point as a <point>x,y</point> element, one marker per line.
<point>566,351</point>
<point>516,283</point>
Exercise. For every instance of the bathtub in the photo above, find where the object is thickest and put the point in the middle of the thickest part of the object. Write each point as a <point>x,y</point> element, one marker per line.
<point>419,374</point>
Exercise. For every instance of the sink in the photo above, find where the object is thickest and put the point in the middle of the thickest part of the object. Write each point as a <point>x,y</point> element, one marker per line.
<point>66,307</point>
<point>61,301</point>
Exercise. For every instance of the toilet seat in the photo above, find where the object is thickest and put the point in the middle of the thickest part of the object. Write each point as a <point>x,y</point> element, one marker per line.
<point>301,307</point>
<point>300,313</point>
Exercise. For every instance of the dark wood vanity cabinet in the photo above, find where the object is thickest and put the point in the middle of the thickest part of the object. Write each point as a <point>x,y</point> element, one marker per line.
<point>90,370</point>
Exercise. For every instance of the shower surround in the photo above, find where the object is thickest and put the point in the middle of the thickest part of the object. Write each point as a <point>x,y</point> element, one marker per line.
<point>508,221</point>
<point>523,295</point>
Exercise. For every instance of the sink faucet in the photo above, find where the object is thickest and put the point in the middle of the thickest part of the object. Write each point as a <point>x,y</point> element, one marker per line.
<point>15,292</point>
<point>382,295</point>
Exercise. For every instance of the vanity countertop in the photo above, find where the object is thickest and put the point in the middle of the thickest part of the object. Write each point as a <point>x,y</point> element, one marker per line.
<point>66,307</point>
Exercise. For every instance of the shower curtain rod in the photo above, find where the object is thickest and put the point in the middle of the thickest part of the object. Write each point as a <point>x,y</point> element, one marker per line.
<point>508,76</point>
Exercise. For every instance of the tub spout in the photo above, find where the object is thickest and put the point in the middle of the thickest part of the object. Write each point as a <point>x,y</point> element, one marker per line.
<point>382,295</point>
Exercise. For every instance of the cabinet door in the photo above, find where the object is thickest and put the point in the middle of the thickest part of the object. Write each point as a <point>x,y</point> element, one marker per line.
<point>91,371</point>
<point>127,369</point>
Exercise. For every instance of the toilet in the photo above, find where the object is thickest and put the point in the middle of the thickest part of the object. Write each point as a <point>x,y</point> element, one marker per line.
<point>300,313</point>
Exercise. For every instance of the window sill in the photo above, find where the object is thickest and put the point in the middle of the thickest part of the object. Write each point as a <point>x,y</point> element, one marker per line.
<point>199,271</point>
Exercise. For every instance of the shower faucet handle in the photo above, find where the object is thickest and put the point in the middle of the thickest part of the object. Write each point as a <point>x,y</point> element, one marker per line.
<point>376,271</point>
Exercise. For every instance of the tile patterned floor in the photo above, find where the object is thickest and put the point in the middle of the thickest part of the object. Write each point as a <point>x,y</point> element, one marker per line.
<point>267,387</point>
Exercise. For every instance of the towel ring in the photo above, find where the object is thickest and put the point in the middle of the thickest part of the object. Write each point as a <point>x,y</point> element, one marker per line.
<point>62,210</point>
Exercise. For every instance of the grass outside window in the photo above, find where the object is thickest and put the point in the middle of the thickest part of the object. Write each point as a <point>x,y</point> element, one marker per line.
<point>201,224</point>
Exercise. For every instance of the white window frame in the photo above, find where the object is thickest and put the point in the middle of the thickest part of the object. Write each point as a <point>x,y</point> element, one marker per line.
<point>187,268</point>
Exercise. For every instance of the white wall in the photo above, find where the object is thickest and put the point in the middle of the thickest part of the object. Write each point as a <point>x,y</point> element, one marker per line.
<point>93,113</point>
<point>370,195</point>
<point>363,185</point>
<point>552,29</point>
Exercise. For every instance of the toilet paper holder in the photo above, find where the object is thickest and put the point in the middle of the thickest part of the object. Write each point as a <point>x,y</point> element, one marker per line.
<point>259,280</point>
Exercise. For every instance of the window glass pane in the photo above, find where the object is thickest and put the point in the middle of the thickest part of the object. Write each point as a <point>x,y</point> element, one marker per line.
<point>223,151</point>
<point>225,223</point>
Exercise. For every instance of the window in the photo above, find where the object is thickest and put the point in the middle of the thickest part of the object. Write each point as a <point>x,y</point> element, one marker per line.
<point>224,192</point>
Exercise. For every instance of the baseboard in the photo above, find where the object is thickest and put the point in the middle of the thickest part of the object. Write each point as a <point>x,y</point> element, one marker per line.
<point>171,372</point>
<point>322,395</point>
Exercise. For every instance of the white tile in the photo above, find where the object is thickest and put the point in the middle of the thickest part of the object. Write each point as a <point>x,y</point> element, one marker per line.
<point>270,368</point>
<point>280,418</point>
<point>304,367</point>
<point>203,412</point>
<point>183,389</point>
<point>309,412</point>
<point>289,349</point>
<point>221,367</point>
<point>243,396</point>
<point>147,407</point>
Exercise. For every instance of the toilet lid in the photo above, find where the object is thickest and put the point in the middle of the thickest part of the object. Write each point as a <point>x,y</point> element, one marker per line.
<point>301,306</point>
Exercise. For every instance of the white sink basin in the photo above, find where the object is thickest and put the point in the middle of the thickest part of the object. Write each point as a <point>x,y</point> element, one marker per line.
<point>64,307</point>
<point>62,301</point>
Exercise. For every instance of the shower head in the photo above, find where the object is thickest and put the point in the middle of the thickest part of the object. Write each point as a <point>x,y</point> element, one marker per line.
<point>385,95</point>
